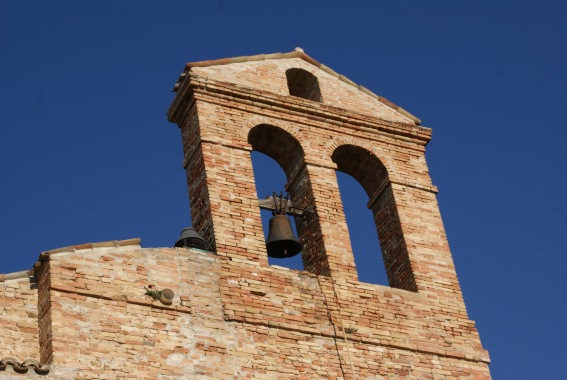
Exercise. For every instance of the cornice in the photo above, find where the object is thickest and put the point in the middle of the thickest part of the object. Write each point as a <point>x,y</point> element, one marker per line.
<point>199,86</point>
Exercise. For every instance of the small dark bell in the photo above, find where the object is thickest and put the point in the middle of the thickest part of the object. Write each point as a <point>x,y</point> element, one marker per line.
<point>189,238</point>
<point>281,242</point>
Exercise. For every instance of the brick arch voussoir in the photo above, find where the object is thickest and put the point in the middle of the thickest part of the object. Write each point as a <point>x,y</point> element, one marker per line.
<point>332,145</point>
<point>257,120</point>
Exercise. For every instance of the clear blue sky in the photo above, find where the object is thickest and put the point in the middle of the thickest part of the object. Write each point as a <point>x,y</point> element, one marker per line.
<point>87,154</point>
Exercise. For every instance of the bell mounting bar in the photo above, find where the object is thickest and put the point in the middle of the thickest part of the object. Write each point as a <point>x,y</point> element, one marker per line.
<point>281,205</point>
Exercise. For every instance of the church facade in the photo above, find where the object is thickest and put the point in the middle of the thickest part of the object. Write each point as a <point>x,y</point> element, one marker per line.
<point>219,310</point>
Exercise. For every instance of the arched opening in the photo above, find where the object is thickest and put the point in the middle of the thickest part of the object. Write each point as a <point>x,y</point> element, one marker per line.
<point>303,84</point>
<point>278,144</point>
<point>362,231</point>
<point>270,177</point>
<point>286,151</point>
<point>362,165</point>
<point>372,175</point>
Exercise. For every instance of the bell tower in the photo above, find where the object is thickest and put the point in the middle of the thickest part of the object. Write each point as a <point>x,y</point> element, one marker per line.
<point>313,122</point>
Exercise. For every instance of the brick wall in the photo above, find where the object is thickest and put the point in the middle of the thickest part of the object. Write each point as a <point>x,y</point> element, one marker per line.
<point>269,76</point>
<point>18,317</point>
<point>234,315</point>
<point>233,319</point>
<point>222,116</point>
<point>243,104</point>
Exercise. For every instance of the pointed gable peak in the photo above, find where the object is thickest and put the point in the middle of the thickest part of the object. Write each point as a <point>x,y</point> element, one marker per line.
<point>365,102</point>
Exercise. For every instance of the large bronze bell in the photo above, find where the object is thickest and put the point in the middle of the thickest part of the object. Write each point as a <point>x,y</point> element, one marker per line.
<point>281,242</point>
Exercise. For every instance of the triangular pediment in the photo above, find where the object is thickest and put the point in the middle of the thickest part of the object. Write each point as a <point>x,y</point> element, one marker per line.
<point>267,73</point>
